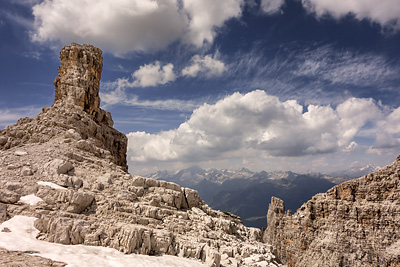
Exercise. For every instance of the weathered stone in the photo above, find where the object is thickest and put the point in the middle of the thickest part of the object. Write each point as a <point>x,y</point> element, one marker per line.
<point>79,202</point>
<point>9,197</point>
<point>352,224</point>
<point>3,212</point>
<point>26,171</point>
<point>3,140</point>
<point>57,166</point>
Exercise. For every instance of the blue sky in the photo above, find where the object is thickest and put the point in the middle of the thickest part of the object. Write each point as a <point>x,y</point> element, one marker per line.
<point>295,85</point>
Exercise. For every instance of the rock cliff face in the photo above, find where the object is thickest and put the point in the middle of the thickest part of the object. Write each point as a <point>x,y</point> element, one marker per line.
<point>67,168</point>
<point>356,223</point>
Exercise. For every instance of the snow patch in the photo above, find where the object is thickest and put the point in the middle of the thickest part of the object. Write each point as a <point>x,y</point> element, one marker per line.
<point>21,237</point>
<point>30,199</point>
<point>52,185</point>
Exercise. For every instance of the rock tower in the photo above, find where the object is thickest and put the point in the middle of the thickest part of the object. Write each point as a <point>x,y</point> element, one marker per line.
<point>78,79</point>
<point>76,107</point>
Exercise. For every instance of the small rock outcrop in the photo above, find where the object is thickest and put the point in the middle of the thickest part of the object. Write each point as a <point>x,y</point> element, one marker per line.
<point>356,223</point>
<point>67,167</point>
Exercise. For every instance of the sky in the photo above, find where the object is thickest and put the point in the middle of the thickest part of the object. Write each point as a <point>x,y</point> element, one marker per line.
<point>306,86</point>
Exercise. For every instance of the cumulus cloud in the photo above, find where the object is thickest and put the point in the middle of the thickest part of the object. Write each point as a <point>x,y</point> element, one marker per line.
<point>271,6</point>
<point>207,65</point>
<point>207,15</point>
<point>139,25</point>
<point>260,125</point>
<point>157,74</point>
<point>154,74</point>
<point>386,12</point>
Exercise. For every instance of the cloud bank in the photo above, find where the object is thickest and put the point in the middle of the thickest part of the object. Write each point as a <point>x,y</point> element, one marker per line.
<point>386,12</point>
<point>257,125</point>
<point>139,25</point>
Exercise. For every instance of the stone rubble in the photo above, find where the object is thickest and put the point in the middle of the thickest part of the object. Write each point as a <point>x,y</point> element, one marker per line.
<point>76,163</point>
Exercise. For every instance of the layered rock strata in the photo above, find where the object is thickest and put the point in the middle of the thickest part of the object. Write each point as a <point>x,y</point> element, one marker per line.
<point>67,168</point>
<point>356,223</point>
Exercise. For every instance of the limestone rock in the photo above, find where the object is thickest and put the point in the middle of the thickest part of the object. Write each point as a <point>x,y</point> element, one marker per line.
<point>3,140</point>
<point>9,197</point>
<point>79,76</point>
<point>352,224</point>
<point>57,166</point>
<point>26,171</point>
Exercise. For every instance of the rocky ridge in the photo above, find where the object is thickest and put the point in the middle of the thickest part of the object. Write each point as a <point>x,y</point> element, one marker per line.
<point>67,167</point>
<point>355,223</point>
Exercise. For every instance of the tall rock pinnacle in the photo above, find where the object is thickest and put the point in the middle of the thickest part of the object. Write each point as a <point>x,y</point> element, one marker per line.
<point>79,78</point>
<point>76,108</point>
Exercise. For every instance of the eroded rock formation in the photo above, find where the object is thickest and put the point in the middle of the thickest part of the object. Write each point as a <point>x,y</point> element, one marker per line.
<point>76,109</point>
<point>356,223</point>
<point>67,167</point>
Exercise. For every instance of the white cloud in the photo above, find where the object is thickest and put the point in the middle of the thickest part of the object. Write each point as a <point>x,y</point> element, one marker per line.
<point>207,65</point>
<point>154,74</point>
<point>344,66</point>
<point>122,26</point>
<point>11,116</point>
<point>271,6</point>
<point>113,93</point>
<point>207,15</point>
<point>257,125</point>
<point>386,12</point>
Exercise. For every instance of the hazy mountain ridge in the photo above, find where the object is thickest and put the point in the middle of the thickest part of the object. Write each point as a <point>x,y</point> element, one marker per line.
<point>246,193</point>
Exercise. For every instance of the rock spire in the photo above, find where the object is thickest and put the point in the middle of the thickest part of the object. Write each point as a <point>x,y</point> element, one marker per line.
<point>78,79</point>
<point>76,108</point>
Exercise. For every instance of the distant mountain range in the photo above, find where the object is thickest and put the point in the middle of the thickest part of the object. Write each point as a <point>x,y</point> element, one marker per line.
<point>247,194</point>
<point>355,172</point>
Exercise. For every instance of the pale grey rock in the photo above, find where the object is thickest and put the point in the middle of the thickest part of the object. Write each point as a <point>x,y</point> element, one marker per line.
<point>3,140</point>
<point>26,171</point>
<point>79,202</point>
<point>12,167</point>
<point>20,153</point>
<point>72,134</point>
<point>105,179</point>
<point>8,197</point>
<point>3,212</point>
<point>72,181</point>
<point>58,166</point>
